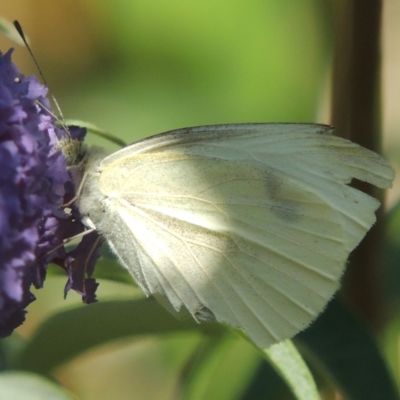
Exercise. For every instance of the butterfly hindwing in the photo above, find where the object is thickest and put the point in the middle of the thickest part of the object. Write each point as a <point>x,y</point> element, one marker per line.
<point>248,224</point>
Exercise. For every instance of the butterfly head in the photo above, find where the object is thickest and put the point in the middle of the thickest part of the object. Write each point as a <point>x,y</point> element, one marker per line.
<point>74,150</point>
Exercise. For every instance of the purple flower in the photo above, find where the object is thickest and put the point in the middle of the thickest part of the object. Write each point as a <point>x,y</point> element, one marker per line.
<point>34,184</point>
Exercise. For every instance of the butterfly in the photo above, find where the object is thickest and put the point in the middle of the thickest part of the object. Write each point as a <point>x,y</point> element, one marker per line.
<point>249,225</point>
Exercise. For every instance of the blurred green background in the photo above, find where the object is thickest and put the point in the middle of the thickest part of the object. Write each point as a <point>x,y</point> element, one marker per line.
<point>137,68</point>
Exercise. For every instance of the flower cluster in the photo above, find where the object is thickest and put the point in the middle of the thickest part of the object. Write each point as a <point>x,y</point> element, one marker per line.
<point>34,184</point>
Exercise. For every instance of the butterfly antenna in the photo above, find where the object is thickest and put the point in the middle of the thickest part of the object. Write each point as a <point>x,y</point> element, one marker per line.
<point>61,120</point>
<point>56,117</point>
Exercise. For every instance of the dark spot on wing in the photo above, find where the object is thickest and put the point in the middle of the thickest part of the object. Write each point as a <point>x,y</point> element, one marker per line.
<point>204,314</point>
<point>283,207</point>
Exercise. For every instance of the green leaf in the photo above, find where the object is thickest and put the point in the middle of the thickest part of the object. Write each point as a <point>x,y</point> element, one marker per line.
<point>10,347</point>
<point>27,386</point>
<point>289,364</point>
<point>219,369</point>
<point>342,346</point>
<point>70,333</point>
<point>112,270</point>
<point>391,344</point>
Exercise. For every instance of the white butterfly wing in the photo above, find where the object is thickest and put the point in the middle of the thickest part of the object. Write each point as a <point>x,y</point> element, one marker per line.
<point>250,225</point>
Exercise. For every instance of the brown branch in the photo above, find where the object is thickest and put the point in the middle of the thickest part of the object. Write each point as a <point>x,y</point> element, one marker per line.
<point>356,114</point>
